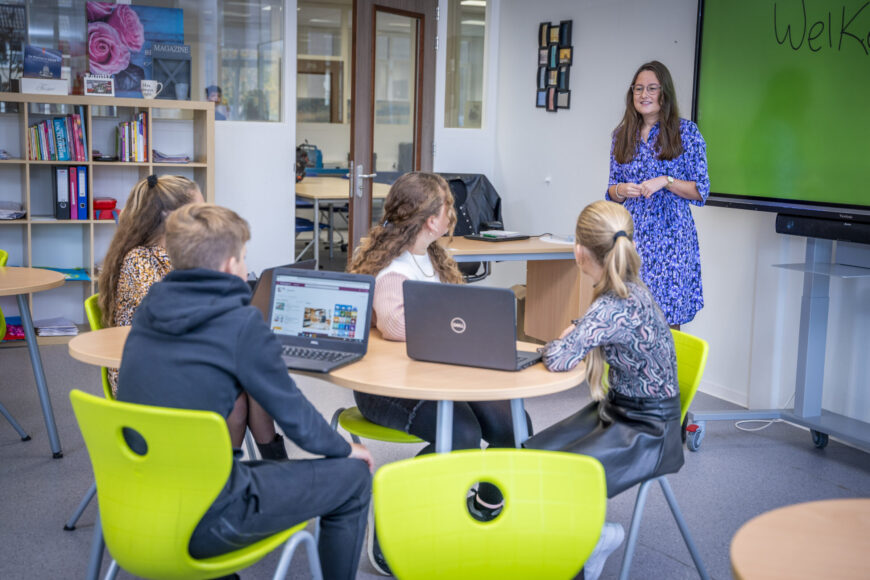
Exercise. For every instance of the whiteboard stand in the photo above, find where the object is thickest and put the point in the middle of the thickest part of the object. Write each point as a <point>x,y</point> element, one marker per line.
<point>807,412</point>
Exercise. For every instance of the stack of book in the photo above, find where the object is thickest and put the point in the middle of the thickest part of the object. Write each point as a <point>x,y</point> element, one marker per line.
<point>55,327</point>
<point>58,139</point>
<point>71,193</point>
<point>132,140</point>
<point>160,157</point>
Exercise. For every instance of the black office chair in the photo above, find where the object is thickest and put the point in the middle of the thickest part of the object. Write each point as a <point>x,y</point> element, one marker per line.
<point>478,207</point>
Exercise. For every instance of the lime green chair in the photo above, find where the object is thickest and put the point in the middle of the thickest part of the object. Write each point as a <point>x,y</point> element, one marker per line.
<point>352,421</point>
<point>151,503</point>
<point>691,360</point>
<point>554,510</point>
<point>4,256</point>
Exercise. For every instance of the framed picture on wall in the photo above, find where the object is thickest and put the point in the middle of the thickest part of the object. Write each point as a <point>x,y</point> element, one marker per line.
<point>553,56</point>
<point>544,34</point>
<point>563,99</point>
<point>554,33</point>
<point>551,99</point>
<point>563,80</point>
<point>542,77</point>
<point>542,57</point>
<point>565,33</point>
<point>541,101</point>
<point>552,78</point>
<point>566,55</point>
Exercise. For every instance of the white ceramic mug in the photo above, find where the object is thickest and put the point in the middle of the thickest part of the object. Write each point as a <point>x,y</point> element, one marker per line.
<point>151,89</point>
<point>182,91</point>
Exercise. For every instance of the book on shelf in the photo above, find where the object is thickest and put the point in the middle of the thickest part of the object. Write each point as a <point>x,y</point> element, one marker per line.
<point>131,142</point>
<point>58,139</point>
<point>71,192</point>
<point>61,188</point>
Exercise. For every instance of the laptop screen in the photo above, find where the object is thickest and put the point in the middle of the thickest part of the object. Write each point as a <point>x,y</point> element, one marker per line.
<point>320,308</point>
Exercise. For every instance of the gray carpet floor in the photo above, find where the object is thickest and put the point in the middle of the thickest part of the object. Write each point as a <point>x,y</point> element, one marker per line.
<point>735,476</point>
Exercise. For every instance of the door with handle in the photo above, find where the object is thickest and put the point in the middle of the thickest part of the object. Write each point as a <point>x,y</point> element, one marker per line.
<point>393,108</point>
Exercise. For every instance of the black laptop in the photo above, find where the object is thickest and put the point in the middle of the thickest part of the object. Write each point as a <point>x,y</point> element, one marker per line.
<point>321,318</point>
<point>463,325</point>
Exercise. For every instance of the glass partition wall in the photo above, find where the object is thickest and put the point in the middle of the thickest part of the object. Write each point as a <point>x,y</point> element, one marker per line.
<point>236,46</point>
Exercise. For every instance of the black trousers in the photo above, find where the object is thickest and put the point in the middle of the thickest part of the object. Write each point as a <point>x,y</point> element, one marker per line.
<point>635,439</point>
<point>265,497</point>
<point>490,421</point>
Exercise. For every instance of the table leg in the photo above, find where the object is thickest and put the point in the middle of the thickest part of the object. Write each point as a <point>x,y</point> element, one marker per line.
<point>521,428</point>
<point>39,375</point>
<point>444,430</point>
<point>331,229</point>
<point>316,234</point>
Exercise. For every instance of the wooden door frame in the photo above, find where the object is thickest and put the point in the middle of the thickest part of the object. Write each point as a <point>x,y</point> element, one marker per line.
<point>364,109</point>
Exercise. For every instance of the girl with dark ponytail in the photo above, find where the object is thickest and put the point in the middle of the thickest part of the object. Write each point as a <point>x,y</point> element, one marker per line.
<point>632,427</point>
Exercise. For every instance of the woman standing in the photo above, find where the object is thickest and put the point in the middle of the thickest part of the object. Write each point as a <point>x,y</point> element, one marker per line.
<point>658,168</point>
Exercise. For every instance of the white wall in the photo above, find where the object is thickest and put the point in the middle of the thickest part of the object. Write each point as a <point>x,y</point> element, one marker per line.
<point>547,166</point>
<point>254,169</point>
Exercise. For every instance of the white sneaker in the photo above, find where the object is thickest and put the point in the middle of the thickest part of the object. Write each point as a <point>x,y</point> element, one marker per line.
<point>612,535</point>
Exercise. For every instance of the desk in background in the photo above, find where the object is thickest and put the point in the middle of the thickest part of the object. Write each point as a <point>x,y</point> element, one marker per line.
<point>330,191</point>
<point>556,290</point>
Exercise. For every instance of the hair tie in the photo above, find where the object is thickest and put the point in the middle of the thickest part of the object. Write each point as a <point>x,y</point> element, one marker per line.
<point>619,234</point>
<point>385,224</point>
<point>152,180</point>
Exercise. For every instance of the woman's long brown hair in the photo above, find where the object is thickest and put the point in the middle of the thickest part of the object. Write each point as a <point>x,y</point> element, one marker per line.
<point>413,199</point>
<point>627,133</point>
<point>141,224</point>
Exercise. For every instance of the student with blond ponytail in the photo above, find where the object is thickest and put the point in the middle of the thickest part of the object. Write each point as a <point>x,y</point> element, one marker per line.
<point>632,427</point>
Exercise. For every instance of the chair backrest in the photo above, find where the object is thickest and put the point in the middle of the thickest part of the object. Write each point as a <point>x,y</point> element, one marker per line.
<point>95,320</point>
<point>552,517</point>
<point>691,360</point>
<point>4,255</point>
<point>150,504</point>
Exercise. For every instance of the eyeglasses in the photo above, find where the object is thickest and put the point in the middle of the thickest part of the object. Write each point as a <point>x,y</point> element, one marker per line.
<point>653,90</point>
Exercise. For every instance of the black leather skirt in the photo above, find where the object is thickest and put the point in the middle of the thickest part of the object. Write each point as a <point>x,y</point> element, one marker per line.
<point>633,438</point>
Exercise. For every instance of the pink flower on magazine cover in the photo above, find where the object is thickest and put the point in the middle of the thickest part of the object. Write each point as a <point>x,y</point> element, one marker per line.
<point>107,52</point>
<point>125,20</point>
<point>98,10</point>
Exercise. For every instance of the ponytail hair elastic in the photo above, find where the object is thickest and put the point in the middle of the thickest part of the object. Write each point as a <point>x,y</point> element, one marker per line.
<point>152,180</point>
<point>619,234</point>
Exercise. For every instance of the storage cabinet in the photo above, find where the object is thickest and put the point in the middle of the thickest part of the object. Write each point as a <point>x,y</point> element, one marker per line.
<point>41,240</point>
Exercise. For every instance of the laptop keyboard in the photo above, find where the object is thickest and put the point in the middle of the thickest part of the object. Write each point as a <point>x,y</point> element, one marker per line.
<point>314,353</point>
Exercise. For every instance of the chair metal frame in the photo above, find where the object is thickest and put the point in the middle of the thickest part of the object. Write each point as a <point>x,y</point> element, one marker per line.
<point>173,488</point>
<point>691,360</point>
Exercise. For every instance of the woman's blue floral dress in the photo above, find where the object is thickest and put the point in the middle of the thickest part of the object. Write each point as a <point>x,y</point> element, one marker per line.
<point>664,230</point>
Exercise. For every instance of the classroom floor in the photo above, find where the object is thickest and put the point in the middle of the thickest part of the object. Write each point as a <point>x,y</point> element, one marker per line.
<point>734,477</point>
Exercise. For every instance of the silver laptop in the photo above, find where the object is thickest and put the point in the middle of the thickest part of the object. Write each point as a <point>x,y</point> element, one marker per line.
<point>321,318</point>
<point>463,325</point>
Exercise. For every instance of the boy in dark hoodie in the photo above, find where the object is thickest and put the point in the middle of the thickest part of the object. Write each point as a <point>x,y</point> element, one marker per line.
<point>196,344</point>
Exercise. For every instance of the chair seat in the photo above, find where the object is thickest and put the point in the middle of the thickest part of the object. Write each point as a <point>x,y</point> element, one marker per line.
<point>247,556</point>
<point>306,225</point>
<point>353,422</point>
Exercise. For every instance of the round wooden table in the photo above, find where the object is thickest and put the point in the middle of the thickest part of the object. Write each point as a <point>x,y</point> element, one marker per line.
<point>820,539</point>
<point>387,370</point>
<point>20,282</point>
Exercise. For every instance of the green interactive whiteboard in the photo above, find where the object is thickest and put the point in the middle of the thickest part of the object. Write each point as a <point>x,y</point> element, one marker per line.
<point>783,99</point>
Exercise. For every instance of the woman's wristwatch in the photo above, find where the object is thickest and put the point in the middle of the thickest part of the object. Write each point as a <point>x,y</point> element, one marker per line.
<point>670,179</point>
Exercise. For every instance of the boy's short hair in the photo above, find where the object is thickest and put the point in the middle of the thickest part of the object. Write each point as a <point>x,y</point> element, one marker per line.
<point>204,235</point>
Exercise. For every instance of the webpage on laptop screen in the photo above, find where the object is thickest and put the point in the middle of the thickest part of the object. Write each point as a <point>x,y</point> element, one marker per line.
<point>320,308</point>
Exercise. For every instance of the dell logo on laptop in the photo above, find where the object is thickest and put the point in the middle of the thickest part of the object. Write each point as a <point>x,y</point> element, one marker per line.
<point>457,325</point>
